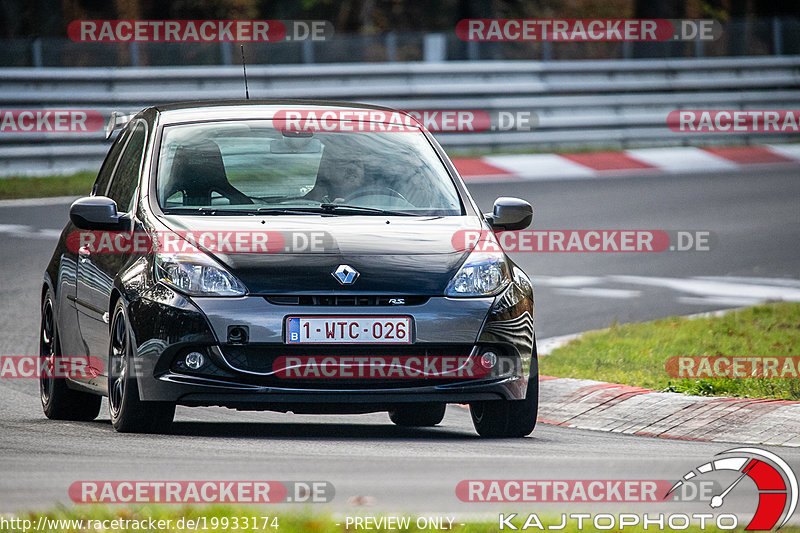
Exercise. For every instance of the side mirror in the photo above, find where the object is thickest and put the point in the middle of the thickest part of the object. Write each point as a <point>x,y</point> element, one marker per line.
<point>96,213</point>
<point>510,214</point>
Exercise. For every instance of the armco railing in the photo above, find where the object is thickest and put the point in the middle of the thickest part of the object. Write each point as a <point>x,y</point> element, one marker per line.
<point>578,103</point>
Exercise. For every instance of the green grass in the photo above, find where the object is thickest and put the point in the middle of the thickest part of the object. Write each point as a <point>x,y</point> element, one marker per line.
<point>636,354</point>
<point>288,521</point>
<point>79,184</point>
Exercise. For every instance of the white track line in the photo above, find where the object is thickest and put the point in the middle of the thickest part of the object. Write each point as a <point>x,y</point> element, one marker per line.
<point>33,202</point>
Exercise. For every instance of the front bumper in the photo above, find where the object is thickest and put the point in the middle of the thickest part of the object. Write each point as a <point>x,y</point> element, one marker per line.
<point>443,326</point>
<point>334,401</point>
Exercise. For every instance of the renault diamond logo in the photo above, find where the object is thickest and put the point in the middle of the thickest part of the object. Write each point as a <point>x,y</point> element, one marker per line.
<point>345,274</point>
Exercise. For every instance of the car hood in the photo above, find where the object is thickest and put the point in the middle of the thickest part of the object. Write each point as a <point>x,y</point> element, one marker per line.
<point>393,255</point>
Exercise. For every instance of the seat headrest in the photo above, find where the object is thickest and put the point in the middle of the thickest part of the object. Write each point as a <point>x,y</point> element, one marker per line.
<point>198,171</point>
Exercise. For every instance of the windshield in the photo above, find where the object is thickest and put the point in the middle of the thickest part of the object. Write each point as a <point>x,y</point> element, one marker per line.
<point>252,166</point>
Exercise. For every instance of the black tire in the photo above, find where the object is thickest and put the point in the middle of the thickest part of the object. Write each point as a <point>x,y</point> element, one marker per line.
<point>418,415</point>
<point>509,418</point>
<point>128,413</point>
<point>59,402</point>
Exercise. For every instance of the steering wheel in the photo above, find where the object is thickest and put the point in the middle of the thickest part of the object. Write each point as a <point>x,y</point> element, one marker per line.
<point>375,190</point>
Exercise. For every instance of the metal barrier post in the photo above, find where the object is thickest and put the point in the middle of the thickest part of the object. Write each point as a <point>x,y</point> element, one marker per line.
<point>434,47</point>
<point>36,52</point>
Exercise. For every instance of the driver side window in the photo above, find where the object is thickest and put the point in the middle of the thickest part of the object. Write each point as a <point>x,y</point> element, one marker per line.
<point>104,176</point>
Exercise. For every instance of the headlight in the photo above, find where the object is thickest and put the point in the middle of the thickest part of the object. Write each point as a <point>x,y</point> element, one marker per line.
<point>197,274</point>
<point>482,274</point>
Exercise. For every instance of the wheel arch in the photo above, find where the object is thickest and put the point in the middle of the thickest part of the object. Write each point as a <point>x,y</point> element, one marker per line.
<point>47,285</point>
<point>115,296</point>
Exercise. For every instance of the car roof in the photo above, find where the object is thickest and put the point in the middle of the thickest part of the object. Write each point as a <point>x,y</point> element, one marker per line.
<point>250,109</point>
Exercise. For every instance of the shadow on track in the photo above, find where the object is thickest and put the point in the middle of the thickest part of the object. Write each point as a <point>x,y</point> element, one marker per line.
<point>315,431</point>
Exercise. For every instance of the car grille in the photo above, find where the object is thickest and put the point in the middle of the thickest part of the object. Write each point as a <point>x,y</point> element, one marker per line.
<point>260,358</point>
<point>354,300</point>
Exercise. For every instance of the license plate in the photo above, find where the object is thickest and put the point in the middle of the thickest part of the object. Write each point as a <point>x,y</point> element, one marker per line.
<point>348,330</point>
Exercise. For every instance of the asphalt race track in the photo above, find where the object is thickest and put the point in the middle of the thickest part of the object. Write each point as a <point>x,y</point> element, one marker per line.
<point>755,221</point>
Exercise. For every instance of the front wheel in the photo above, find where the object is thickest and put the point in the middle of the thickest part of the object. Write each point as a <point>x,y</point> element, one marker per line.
<point>128,413</point>
<point>419,415</point>
<point>509,418</point>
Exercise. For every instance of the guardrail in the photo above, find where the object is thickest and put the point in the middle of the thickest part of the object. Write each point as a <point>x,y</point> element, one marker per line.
<point>614,104</point>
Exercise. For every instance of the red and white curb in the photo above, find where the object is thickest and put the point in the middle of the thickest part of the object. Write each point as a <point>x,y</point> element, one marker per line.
<point>617,408</point>
<point>535,167</point>
<point>600,406</point>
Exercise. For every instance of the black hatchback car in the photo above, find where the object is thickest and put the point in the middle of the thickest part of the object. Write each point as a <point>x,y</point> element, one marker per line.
<point>287,256</point>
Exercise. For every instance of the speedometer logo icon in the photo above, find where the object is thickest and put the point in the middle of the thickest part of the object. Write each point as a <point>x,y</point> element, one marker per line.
<point>775,481</point>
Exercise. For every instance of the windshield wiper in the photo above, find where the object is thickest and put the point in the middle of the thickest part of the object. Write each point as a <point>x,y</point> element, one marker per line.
<point>206,210</point>
<point>251,212</point>
<point>330,208</point>
<point>289,211</point>
<point>323,209</point>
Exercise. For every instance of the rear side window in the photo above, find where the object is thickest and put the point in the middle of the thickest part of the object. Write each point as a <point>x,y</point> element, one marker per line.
<point>126,177</point>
